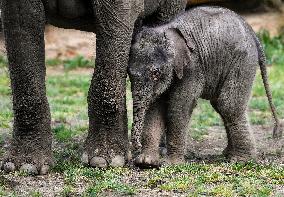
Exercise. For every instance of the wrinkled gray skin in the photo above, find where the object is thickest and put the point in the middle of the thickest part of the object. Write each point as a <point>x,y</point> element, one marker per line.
<point>113,21</point>
<point>209,53</point>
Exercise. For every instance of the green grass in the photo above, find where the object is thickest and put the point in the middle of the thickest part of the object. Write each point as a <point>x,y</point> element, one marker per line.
<point>67,95</point>
<point>69,64</point>
<point>218,179</point>
<point>96,180</point>
<point>273,46</point>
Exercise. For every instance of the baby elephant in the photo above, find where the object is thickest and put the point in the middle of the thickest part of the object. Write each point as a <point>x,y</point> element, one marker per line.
<point>209,53</point>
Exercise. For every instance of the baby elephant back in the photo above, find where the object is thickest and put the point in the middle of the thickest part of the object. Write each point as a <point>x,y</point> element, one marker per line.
<point>216,33</point>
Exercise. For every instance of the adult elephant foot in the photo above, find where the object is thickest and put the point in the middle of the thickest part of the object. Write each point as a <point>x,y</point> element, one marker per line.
<point>30,162</point>
<point>101,162</point>
<point>102,154</point>
<point>146,161</point>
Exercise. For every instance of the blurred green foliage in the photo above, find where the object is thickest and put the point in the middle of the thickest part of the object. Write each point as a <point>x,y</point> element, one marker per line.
<point>273,46</point>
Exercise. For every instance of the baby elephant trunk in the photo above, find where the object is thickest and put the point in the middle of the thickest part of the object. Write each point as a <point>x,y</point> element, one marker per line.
<point>141,94</point>
<point>139,111</point>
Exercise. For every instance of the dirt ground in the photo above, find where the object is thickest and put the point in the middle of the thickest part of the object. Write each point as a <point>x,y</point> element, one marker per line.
<point>208,149</point>
<point>269,150</point>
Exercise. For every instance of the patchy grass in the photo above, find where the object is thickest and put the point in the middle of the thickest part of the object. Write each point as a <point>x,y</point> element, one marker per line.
<point>69,64</point>
<point>95,181</point>
<point>67,94</point>
<point>3,62</point>
<point>218,179</point>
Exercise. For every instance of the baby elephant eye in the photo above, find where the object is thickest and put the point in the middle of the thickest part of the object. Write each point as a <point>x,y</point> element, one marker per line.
<point>155,74</point>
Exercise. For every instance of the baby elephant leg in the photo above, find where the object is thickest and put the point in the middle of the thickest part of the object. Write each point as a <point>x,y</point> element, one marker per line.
<point>241,144</point>
<point>153,129</point>
<point>232,106</point>
<point>226,150</point>
<point>182,102</point>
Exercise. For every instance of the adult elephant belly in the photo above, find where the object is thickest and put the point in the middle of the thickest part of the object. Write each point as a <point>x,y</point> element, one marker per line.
<point>81,23</point>
<point>70,14</point>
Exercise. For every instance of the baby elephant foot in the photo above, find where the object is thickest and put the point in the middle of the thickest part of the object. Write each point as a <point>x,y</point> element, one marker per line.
<point>240,156</point>
<point>100,162</point>
<point>147,161</point>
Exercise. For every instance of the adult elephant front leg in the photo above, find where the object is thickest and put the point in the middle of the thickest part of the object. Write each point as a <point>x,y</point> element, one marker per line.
<point>107,142</point>
<point>24,35</point>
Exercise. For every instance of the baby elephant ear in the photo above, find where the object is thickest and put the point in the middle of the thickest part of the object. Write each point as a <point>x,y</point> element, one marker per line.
<point>182,51</point>
<point>178,68</point>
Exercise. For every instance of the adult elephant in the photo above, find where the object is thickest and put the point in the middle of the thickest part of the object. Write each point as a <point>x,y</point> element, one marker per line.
<point>113,21</point>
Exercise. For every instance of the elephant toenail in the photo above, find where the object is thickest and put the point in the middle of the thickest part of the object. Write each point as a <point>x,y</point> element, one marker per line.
<point>98,162</point>
<point>148,159</point>
<point>29,169</point>
<point>85,158</point>
<point>117,161</point>
<point>44,169</point>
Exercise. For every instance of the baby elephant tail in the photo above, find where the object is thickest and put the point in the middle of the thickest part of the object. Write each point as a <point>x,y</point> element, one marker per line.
<point>277,131</point>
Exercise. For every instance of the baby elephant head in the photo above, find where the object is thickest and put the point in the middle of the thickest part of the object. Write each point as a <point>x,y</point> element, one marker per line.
<point>154,63</point>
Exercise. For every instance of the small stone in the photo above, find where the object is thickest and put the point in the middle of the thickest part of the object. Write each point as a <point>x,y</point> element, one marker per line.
<point>9,167</point>
<point>163,151</point>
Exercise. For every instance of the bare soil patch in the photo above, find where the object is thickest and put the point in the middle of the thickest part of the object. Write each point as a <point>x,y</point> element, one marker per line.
<point>269,150</point>
<point>272,21</point>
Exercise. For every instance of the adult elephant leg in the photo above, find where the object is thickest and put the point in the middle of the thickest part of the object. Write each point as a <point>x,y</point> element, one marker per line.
<point>107,142</point>
<point>24,22</point>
